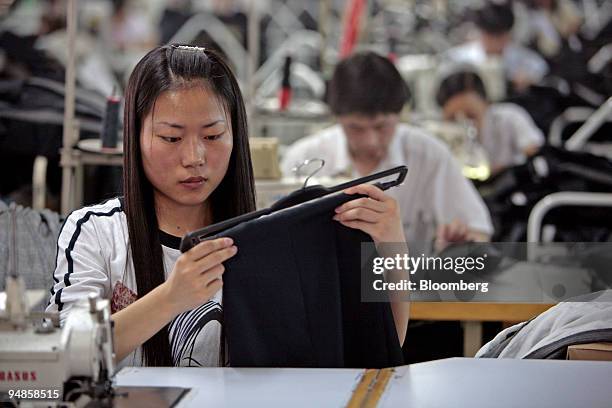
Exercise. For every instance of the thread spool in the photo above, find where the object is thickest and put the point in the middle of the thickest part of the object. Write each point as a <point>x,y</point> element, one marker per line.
<point>284,96</point>
<point>110,126</point>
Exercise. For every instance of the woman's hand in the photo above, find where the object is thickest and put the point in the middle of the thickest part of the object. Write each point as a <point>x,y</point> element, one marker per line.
<point>377,214</point>
<point>197,273</point>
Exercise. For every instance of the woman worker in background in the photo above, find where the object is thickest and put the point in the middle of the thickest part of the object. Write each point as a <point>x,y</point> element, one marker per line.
<point>505,130</point>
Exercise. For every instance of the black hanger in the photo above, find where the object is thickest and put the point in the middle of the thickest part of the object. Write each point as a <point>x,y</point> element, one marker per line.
<point>296,197</point>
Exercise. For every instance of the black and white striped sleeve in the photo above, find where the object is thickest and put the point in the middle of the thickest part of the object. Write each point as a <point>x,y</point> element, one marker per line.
<point>81,267</point>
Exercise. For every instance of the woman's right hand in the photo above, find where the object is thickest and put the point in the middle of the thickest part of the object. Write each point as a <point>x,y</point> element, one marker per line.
<point>197,273</point>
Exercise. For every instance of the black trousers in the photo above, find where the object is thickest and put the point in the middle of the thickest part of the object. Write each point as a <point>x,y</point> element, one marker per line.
<point>292,294</point>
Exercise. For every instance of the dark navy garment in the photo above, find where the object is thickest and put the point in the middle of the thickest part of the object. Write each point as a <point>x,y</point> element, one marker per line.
<point>291,295</point>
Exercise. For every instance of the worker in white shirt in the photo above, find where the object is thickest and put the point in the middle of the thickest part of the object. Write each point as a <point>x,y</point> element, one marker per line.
<point>505,130</point>
<point>366,94</point>
<point>547,24</point>
<point>522,66</point>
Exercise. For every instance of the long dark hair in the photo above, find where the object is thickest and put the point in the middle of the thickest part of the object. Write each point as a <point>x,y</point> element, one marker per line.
<point>165,68</point>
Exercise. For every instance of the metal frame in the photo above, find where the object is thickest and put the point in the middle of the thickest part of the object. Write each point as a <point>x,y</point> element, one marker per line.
<point>593,123</point>
<point>562,199</point>
<point>571,115</point>
<point>579,141</point>
<point>71,129</point>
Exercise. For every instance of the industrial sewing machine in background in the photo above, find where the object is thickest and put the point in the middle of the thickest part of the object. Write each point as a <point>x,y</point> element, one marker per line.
<point>462,140</point>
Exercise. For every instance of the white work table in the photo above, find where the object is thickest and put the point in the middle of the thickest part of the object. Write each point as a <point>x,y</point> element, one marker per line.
<point>444,383</point>
<point>250,387</point>
<point>501,383</point>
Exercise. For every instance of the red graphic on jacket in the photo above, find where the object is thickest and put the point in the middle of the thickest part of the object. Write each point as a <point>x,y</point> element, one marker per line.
<point>122,297</point>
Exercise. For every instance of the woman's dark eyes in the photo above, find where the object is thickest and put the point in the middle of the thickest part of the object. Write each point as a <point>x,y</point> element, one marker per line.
<point>170,139</point>
<point>213,137</point>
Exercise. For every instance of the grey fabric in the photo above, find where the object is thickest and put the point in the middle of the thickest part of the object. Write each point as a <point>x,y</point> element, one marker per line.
<point>584,319</point>
<point>496,346</point>
<point>34,238</point>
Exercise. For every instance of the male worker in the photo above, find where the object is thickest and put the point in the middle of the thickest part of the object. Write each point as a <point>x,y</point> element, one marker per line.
<point>366,95</point>
<point>522,66</point>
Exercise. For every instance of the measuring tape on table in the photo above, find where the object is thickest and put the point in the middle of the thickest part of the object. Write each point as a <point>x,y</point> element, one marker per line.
<point>370,388</point>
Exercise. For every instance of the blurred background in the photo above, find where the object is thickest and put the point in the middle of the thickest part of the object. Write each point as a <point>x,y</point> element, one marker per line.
<point>569,78</point>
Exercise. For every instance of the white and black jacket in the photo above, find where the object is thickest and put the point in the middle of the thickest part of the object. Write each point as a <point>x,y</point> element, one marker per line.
<point>93,256</point>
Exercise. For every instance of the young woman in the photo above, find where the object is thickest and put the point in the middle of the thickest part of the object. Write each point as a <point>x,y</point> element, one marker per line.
<point>505,130</point>
<point>186,166</point>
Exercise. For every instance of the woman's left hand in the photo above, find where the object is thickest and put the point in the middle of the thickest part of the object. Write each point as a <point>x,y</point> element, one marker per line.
<point>377,214</point>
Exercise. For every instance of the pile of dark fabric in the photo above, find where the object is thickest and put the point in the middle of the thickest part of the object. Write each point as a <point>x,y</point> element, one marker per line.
<point>24,60</point>
<point>32,112</point>
<point>572,81</point>
<point>512,194</point>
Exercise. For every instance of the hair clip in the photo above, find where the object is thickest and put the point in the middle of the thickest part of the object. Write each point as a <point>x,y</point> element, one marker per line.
<point>189,48</point>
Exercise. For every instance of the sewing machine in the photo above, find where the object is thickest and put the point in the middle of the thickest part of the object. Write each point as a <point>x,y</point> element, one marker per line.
<point>461,138</point>
<point>43,365</point>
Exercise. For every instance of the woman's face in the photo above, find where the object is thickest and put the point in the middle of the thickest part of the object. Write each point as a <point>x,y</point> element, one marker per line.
<point>465,105</point>
<point>186,143</point>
